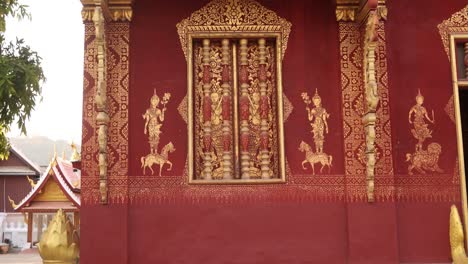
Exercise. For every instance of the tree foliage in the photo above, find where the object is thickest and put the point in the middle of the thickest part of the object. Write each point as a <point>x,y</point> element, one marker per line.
<point>21,77</point>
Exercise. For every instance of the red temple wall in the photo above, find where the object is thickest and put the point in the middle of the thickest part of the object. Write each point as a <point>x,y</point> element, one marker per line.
<point>311,219</point>
<point>417,60</point>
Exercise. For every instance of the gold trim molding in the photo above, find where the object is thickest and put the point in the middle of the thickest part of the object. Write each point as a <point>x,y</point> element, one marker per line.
<point>113,10</point>
<point>231,16</point>
<point>457,23</point>
<point>358,10</point>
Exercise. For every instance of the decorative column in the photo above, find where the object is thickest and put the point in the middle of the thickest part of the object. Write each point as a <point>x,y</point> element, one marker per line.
<point>102,117</point>
<point>226,111</point>
<point>244,111</point>
<point>361,28</point>
<point>30,228</point>
<point>264,109</point>
<point>372,99</point>
<point>207,165</point>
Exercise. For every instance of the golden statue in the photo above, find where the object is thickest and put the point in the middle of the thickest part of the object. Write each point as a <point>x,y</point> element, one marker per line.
<point>154,116</point>
<point>420,130</point>
<point>318,120</point>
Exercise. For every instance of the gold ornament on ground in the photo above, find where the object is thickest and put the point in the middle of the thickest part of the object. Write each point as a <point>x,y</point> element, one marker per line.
<point>457,239</point>
<point>317,116</point>
<point>154,118</point>
<point>60,242</point>
<point>422,160</point>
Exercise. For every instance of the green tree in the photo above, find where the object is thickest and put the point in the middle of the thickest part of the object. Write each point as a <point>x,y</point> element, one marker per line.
<point>21,77</point>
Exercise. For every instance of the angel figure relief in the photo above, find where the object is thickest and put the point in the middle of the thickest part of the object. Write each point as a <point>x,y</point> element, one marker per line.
<point>317,116</point>
<point>154,118</point>
<point>422,160</point>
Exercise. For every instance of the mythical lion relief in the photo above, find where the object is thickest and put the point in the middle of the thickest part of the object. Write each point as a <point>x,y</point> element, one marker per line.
<point>154,118</point>
<point>422,160</point>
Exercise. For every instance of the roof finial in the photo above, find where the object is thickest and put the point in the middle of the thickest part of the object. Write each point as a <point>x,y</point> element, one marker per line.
<point>13,204</point>
<point>31,182</point>
<point>55,150</point>
<point>75,155</point>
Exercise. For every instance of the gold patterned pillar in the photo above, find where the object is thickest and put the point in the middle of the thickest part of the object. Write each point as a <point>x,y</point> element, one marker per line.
<point>107,27</point>
<point>362,42</point>
<point>244,111</point>
<point>264,110</point>
<point>102,117</point>
<point>371,98</point>
<point>226,111</point>
<point>207,165</point>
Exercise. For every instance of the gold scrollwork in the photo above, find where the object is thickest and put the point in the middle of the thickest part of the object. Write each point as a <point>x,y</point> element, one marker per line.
<point>233,16</point>
<point>317,116</point>
<point>154,118</point>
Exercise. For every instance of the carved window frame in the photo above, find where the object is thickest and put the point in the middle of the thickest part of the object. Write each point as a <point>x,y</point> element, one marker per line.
<point>279,92</point>
<point>202,25</point>
<point>458,83</point>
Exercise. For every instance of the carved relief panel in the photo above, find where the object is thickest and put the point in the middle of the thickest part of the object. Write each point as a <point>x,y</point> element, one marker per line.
<point>235,106</point>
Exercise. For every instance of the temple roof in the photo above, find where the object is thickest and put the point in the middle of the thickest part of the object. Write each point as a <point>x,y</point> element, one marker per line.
<point>27,167</point>
<point>57,188</point>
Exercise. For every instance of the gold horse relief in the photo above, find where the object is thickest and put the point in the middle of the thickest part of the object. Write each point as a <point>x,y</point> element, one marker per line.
<point>154,119</point>
<point>422,160</point>
<point>318,118</point>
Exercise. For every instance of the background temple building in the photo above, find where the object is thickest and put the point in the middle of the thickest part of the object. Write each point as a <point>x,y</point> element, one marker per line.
<point>242,131</point>
<point>17,174</point>
<point>30,198</point>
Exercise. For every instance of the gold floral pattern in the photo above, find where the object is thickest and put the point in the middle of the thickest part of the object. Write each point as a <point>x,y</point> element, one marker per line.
<point>233,16</point>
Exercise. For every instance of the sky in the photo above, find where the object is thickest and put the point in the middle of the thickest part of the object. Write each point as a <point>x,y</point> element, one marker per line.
<point>56,33</point>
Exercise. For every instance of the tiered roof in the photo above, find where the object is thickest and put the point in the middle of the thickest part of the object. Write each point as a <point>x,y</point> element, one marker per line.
<point>58,188</point>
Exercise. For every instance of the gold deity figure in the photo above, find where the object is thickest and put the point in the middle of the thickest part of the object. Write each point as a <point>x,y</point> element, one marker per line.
<point>154,116</point>
<point>318,120</point>
<point>254,108</point>
<point>216,101</point>
<point>420,129</point>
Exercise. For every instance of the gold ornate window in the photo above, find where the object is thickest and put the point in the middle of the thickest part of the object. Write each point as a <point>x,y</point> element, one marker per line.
<point>234,50</point>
